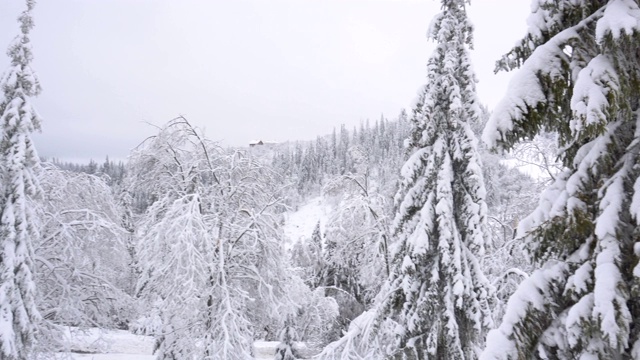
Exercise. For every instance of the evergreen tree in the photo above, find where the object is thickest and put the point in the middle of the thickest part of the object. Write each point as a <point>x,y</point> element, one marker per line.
<point>343,150</point>
<point>285,350</point>
<point>579,77</point>
<point>18,184</point>
<point>315,250</point>
<point>307,256</point>
<point>439,295</point>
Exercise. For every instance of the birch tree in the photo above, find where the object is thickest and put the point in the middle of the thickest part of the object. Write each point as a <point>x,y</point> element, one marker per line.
<point>210,249</point>
<point>80,256</point>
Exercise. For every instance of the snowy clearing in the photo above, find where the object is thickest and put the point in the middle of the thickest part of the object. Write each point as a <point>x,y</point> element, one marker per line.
<point>97,344</point>
<point>300,224</point>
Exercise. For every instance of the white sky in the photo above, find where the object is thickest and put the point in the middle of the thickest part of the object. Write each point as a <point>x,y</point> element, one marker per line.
<point>241,69</point>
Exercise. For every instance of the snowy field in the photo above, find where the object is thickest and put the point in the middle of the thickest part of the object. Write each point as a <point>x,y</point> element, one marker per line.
<point>94,344</point>
<point>299,224</point>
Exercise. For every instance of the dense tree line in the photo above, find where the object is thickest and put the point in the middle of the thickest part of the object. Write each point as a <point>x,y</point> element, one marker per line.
<point>112,170</point>
<point>378,149</point>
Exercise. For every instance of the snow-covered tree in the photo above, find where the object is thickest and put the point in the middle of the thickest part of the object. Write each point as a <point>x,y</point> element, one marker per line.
<point>511,196</point>
<point>367,338</point>
<point>537,157</point>
<point>127,221</point>
<point>579,77</point>
<point>308,258</point>
<point>439,296</point>
<point>316,241</point>
<point>80,256</point>
<point>317,316</point>
<point>19,315</point>
<point>210,249</point>
<point>356,259</point>
<point>288,336</point>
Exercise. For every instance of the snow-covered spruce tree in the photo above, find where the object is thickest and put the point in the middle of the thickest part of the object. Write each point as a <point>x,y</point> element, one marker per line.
<point>288,336</point>
<point>18,161</point>
<point>315,246</point>
<point>210,250</point>
<point>579,77</point>
<point>439,295</point>
<point>306,256</point>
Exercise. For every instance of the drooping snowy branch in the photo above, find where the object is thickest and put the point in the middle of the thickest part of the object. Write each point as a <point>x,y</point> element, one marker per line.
<point>585,222</point>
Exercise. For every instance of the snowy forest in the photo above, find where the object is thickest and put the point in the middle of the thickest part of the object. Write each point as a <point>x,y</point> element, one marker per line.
<point>447,231</point>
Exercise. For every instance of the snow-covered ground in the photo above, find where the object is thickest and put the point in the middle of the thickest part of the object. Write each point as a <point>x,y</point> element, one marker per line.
<point>300,224</point>
<point>96,344</point>
<point>92,341</point>
<point>265,349</point>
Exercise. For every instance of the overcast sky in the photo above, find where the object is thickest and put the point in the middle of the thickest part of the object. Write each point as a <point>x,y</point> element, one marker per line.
<point>241,69</point>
